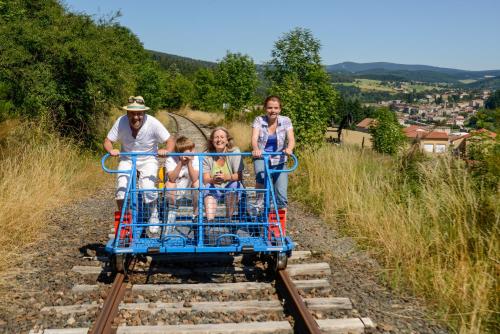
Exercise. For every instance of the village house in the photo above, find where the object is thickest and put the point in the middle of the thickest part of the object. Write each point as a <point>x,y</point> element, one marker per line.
<point>429,141</point>
<point>364,125</point>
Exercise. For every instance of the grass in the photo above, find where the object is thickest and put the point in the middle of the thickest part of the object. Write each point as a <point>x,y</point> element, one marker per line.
<point>435,232</point>
<point>467,81</point>
<point>39,172</point>
<point>370,85</point>
<point>351,137</point>
<point>373,85</point>
<point>242,134</point>
<point>163,117</point>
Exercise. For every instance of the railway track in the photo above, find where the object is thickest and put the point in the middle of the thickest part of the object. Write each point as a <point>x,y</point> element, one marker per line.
<point>204,294</point>
<point>190,129</point>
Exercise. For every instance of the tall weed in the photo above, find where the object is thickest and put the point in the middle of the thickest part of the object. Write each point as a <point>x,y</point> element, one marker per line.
<point>40,171</point>
<point>438,236</point>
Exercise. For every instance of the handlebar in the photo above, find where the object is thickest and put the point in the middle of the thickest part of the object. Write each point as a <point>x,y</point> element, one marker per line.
<point>134,155</point>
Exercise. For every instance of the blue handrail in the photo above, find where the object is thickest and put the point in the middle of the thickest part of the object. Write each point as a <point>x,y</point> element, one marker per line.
<point>199,154</point>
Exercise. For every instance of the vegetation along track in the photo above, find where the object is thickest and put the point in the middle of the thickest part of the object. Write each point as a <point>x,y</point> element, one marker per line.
<point>212,293</point>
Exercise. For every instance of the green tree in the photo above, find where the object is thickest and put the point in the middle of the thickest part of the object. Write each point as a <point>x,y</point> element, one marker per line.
<point>484,150</point>
<point>236,76</point>
<point>486,118</point>
<point>387,135</point>
<point>493,101</point>
<point>297,76</point>
<point>65,68</point>
<point>178,91</point>
<point>206,95</point>
<point>151,85</point>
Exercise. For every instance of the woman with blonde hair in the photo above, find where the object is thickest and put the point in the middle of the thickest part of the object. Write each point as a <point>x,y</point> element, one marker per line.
<point>221,172</point>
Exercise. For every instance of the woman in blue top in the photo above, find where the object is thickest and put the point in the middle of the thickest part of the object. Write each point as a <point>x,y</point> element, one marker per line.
<point>272,133</point>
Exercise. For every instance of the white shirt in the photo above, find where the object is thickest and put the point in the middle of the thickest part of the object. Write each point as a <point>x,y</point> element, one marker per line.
<point>149,136</point>
<point>183,177</point>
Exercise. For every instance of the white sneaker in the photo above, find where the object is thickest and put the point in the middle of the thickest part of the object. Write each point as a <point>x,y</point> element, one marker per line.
<point>153,232</point>
<point>154,229</point>
<point>171,218</point>
<point>153,218</point>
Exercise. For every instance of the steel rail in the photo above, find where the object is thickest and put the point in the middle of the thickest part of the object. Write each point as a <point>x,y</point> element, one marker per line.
<point>304,321</point>
<point>190,120</point>
<point>176,123</point>
<point>103,324</point>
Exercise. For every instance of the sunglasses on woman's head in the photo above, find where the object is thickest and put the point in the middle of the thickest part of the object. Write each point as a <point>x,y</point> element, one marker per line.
<point>134,99</point>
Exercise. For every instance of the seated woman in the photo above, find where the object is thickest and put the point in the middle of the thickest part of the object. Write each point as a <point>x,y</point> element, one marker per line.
<point>221,172</point>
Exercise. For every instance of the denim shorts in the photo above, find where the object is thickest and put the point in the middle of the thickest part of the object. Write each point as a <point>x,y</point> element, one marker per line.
<point>219,194</point>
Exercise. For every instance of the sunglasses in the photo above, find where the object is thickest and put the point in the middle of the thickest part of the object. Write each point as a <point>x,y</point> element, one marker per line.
<point>133,99</point>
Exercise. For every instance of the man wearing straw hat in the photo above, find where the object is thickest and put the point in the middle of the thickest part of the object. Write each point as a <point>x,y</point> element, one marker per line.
<point>139,132</point>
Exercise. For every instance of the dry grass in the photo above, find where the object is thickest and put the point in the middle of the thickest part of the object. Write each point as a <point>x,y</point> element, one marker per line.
<point>39,172</point>
<point>203,117</point>
<point>7,127</point>
<point>242,134</point>
<point>441,241</point>
<point>163,117</point>
<point>351,137</point>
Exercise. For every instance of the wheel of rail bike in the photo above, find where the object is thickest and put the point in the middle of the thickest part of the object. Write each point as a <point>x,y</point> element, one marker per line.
<point>119,263</point>
<point>279,261</point>
<point>250,259</point>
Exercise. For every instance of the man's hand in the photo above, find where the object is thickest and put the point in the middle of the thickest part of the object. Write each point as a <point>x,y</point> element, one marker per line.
<point>288,151</point>
<point>114,152</point>
<point>163,152</point>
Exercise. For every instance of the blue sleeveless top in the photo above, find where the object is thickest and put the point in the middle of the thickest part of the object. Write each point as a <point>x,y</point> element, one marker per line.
<point>272,143</point>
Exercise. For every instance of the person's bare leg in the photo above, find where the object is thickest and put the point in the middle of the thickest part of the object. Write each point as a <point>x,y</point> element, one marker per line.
<point>231,201</point>
<point>171,193</point>
<point>210,207</point>
<point>195,198</point>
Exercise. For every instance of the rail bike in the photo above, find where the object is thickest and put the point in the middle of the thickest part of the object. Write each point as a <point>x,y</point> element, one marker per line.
<point>240,220</point>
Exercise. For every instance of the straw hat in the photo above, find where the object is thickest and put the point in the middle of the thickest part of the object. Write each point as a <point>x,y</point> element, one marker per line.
<point>135,103</point>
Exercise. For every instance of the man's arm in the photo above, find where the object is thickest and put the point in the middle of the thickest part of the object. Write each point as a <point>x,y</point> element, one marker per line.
<point>108,146</point>
<point>170,143</point>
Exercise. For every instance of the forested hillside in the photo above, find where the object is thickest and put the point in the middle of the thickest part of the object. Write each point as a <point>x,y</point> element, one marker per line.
<point>184,65</point>
<point>423,73</point>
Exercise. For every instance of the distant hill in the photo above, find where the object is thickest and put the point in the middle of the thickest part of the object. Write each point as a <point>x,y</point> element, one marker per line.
<point>348,71</point>
<point>423,73</point>
<point>488,83</point>
<point>185,65</point>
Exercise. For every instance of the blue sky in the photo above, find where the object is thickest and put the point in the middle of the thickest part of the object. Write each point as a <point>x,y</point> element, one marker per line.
<point>448,33</point>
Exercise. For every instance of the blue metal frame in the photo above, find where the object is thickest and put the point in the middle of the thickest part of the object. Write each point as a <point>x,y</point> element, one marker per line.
<point>264,242</point>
